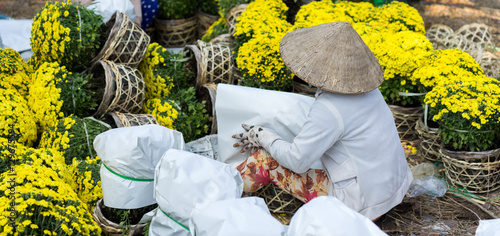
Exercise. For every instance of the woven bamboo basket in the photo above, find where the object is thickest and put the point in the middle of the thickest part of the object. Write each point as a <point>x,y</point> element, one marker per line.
<point>214,63</point>
<point>211,88</point>
<point>477,172</point>
<point>281,204</point>
<point>110,228</point>
<point>475,34</point>
<point>437,33</point>
<point>490,64</point>
<point>124,89</point>
<point>232,17</point>
<point>450,41</point>
<point>126,43</point>
<point>129,119</point>
<point>176,33</point>
<point>223,39</point>
<point>406,120</point>
<point>430,143</point>
<point>205,20</point>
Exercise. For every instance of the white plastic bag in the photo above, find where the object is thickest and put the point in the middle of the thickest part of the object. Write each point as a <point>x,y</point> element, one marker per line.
<point>327,216</point>
<point>206,146</point>
<point>425,181</point>
<point>106,8</point>
<point>16,34</point>
<point>248,216</point>
<point>183,180</point>
<point>129,156</point>
<point>283,112</point>
<point>488,228</point>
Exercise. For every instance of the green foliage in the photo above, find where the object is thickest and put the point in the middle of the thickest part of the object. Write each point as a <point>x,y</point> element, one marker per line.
<point>226,5</point>
<point>217,28</point>
<point>192,120</point>
<point>78,99</point>
<point>208,6</point>
<point>74,137</point>
<point>176,9</point>
<point>464,140</point>
<point>175,67</point>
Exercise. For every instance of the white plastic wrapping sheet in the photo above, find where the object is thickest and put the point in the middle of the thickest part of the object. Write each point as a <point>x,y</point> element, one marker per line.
<point>106,8</point>
<point>129,156</point>
<point>282,112</point>
<point>488,228</point>
<point>16,34</point>
<point>183,180</point>
<point>327,216</point>
<point>162,225</point>
<point>248,216</point>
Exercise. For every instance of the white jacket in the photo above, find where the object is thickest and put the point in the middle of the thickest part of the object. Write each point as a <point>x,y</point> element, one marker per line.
<point>356,139</point>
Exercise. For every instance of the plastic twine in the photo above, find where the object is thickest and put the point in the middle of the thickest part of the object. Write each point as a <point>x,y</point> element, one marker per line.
<point>80,27</point>
<point>126,177</point>
<point>426,107</point>
<point>183,226</point>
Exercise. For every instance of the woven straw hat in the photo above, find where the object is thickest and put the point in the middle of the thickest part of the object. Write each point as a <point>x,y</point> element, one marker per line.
<point>332,57</point>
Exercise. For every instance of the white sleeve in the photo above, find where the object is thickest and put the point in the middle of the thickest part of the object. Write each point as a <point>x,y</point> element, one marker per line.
<point>324,126</point>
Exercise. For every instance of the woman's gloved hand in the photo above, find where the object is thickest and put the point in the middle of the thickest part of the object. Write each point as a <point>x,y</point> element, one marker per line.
<point>249,139</point>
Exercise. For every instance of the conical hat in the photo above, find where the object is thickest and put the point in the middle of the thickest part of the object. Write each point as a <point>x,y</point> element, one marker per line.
<point>332,57</point>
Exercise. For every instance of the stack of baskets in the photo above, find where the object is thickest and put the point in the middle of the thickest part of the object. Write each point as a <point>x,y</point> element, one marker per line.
<point>475,39</point>
<point>116,67</point>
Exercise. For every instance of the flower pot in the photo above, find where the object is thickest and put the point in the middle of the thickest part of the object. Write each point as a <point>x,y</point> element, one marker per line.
<point>176,33</point>
<point>214,63</point>
<point>406,120</point>
<point>476,172</point>
<point>124,87</point>
<point>129,119</point>
<point>205,20</point>
<point>232,16</point>
<point>126,43</point>
<point>430,143</point>
<point>110,228</point>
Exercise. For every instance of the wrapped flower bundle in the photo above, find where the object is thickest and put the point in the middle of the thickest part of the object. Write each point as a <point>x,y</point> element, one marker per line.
<point>66,33</point>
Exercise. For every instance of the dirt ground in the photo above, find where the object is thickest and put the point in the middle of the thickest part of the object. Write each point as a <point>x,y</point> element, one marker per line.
<point>456,213</point>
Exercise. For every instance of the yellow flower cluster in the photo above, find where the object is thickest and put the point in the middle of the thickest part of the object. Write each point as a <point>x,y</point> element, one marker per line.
<point>14,72</point>
<point>401,53</point>
<point>55,138</point>
<point>473,97</point>
<point>467,108</point>
<point>158,83</point>
<point>65,33</point>
<point>86,176</point>
<point>320,12</point>
<point>259,31</point>
<point>442,63</point>
<point>162,110</point>
<point>17,122</point>
<point>44,96</point>
<point>43,203</point>
<point>48,37</point>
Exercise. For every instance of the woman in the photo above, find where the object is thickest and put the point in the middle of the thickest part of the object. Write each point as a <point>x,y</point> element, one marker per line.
<point>349,128</point>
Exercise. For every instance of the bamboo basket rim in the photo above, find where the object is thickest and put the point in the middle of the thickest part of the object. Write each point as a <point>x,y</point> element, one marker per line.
<point>108,88</point>
<point>121,119</point>
<point>110,227</point>
<point>120,25</point>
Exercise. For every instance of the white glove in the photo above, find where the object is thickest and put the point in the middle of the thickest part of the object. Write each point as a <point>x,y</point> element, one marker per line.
<point>250,139</point>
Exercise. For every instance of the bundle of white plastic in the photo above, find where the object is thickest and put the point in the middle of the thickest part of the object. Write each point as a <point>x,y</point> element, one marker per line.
<point>328,216</point>
<point>248,216</point>
<point>129,156</point>
<point>182,181</point>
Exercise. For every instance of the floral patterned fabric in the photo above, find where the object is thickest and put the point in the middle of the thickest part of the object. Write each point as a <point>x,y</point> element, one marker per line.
<point>260,169</point>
